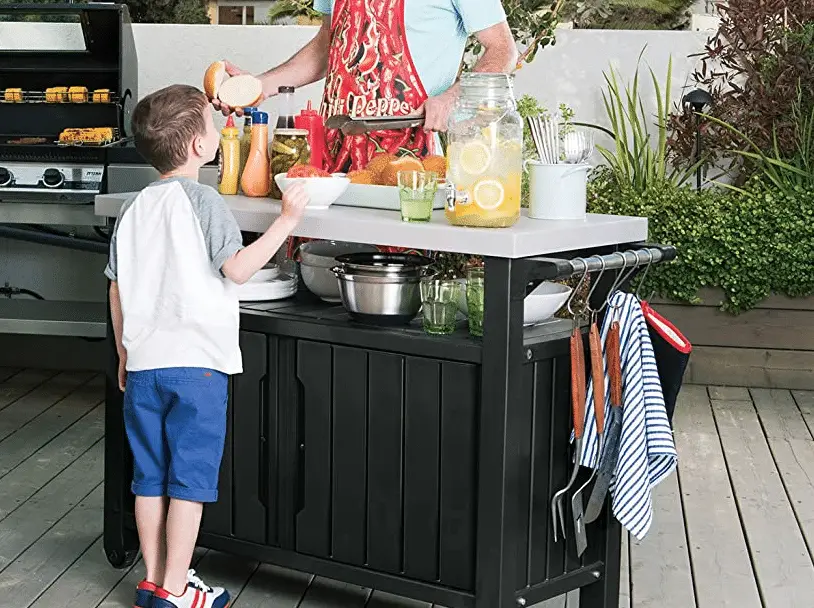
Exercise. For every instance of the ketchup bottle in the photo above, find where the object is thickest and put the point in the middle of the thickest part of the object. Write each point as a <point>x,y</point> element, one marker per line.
<point>310,120</point>
<point>255,178</point>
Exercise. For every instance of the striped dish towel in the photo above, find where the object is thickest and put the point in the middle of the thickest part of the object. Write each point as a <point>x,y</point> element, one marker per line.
<point>647,450</point>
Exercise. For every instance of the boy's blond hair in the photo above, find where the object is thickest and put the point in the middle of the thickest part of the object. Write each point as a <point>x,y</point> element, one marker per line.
<point>165,122</point>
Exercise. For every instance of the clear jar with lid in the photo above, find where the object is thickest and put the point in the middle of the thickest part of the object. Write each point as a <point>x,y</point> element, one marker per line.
<point>484,153</point>
<point>288,147</point>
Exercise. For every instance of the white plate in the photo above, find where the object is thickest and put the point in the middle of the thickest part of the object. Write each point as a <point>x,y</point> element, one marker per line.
<point>284,286</point>
<point>381,197</point>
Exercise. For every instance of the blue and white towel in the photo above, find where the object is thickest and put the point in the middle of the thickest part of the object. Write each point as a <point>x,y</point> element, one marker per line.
<point>647,451</point>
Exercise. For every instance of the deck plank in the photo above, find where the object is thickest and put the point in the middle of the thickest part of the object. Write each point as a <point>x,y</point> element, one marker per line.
<point>85,583</point>
<point>660,564</point>
<point>722,569</point>
<point>327,593</point>
<point>51,555</point>
<point>123,593</point>
<point>31,405</point>
<point>805,403</point>
<point>21,444</point>
<point>380,599</point>
<point>793,449</point>
<point>785,575</point>
<point>39,513</point>
<point>228,571</point>
<point>21,384</point>
<point>7,372</point>
<point>27,479</point>
<point>273,587</point>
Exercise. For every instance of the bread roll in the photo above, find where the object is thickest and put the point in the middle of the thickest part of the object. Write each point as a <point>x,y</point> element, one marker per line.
<point>239,91</point>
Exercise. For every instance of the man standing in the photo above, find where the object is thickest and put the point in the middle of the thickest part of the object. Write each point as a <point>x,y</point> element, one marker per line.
<point>392,58</point>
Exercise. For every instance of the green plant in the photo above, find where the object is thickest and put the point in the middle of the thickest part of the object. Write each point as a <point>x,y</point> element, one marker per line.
<point>634,161</point>
<point>292,8</point>
<point>627,14</point>
<point>749,243</point>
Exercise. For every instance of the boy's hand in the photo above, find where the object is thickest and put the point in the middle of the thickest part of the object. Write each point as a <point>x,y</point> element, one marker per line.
<point>122,371</point>
<point>295,199</point>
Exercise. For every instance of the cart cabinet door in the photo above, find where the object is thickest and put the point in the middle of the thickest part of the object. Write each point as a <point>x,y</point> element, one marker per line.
<point>387,474</point>
<point>249,466</point>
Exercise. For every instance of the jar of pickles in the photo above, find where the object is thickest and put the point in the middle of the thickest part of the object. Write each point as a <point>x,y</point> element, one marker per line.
<point>288,147</point>
<point>484,153</point>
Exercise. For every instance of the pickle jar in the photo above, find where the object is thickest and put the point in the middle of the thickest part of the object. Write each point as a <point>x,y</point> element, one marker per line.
<point>288,147</point>
<point>484,153</point>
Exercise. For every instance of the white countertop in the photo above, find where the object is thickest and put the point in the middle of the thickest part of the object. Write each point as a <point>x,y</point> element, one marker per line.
<point>528,237</point>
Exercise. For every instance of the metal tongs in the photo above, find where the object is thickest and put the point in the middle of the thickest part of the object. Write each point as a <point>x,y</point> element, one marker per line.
<point>359,126</point>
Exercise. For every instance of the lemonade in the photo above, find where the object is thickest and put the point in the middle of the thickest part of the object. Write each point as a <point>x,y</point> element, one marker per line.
<point>485,154</point>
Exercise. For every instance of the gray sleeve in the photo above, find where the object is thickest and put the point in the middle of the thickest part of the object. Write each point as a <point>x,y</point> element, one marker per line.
<point>220,230</point>
<point>112,270</point>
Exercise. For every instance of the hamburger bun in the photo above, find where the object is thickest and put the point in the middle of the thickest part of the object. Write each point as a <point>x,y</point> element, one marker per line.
<point>239,91</point>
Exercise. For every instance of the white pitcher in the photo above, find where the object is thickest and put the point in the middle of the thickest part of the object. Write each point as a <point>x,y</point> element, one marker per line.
<point>557,192</point>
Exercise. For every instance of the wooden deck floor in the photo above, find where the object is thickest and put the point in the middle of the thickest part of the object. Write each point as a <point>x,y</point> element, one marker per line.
<point>734,528</point>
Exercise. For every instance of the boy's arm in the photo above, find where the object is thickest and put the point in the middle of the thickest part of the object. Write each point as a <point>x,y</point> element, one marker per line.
<point>117,318</point>
<point>242,265</point>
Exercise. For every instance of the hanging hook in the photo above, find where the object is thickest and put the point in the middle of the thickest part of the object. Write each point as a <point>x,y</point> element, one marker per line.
<point>576,289</point>
<point>594,286</point>
<point>644,274</point>
<point>624,273</point>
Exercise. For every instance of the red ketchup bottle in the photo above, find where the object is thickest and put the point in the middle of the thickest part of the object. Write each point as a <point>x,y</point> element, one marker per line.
<point>310,120</point>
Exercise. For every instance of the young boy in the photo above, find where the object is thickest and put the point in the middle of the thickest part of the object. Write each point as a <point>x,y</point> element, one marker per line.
<point>175,255</point>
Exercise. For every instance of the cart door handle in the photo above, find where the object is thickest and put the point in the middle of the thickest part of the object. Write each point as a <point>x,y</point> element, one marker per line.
<point>263,485</point>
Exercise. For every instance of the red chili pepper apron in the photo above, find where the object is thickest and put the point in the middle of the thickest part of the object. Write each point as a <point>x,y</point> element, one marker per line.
<point>370,73</point>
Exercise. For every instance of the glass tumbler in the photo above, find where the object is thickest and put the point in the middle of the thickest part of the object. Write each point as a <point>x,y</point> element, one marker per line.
<point>439,300</point>
<point>416,195</point>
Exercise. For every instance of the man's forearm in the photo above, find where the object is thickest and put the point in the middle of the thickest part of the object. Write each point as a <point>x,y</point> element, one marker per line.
<point>308,65</point>
<point>498,59</point>
<point>116,316</point>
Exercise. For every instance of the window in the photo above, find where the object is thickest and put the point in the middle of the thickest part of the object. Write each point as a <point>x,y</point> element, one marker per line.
<point>236,15</point>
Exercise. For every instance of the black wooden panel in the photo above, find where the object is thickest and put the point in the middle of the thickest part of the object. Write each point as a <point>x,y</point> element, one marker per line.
<point>385,414</point>
<point>459,412</point>
<point>314,371</point>
<point>422,434</point>
<point>560,461</point>
<point>539,518</point>
<point>217,516</point>
<point>289,440</point>
<point>249,512</point>
<point>523,410</point>
<point>349,506</point>
<point>269,445</point>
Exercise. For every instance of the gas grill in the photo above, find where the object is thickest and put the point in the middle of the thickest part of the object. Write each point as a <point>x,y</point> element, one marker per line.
<point>44,92</point>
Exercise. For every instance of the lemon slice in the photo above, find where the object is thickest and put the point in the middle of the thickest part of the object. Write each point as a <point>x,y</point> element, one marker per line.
<point>488,194</point>
<point>475,157</point>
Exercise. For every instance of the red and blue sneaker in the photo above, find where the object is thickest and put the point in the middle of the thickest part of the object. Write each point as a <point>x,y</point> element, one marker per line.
<point>197,595</point>
<point>144,594</point>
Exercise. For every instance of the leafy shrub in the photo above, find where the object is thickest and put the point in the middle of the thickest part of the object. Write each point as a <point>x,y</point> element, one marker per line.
<point>750,244</point>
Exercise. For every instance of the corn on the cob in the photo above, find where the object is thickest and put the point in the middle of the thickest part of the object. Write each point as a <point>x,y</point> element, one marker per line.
<point>78,94</point>
<point>56,94</point>
<point>13,95</point>
<point>101,96</point>
<point>93,135</point>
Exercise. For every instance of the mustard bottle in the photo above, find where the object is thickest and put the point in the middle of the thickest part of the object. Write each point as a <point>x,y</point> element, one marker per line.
<point>255,178</point>
<point>229,161</point>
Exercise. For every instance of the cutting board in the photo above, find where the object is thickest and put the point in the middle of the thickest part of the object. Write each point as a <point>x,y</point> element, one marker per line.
<point>380,197</point>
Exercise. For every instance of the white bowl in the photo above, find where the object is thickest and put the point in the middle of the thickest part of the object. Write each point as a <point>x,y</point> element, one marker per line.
<point>323,253</point>
<point>322,191</point>
<point>268,273</point>
<point>321,281</point>
<point>544,301</point>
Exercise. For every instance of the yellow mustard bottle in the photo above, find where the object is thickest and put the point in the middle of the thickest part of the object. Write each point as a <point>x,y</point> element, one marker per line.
<point>229,160</point>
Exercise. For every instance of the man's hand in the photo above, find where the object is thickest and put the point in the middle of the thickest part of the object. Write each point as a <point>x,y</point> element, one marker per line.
<point>233,70</point>
<point>438,109</point>
<point>122,370</point>
<point>295,200</point>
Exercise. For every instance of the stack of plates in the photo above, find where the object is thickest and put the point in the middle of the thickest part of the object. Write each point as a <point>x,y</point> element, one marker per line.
<point>267,284</point>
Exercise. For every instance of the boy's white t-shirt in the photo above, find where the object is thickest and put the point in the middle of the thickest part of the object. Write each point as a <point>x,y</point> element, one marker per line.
<point>166,254</point>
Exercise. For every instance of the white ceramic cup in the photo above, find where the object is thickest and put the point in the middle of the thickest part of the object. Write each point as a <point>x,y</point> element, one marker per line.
<point>557,192</point>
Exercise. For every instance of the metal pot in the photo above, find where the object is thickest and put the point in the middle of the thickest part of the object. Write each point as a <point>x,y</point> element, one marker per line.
<point>383,291</point>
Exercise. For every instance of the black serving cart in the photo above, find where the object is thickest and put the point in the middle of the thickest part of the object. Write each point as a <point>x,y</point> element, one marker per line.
<point>421,466</point>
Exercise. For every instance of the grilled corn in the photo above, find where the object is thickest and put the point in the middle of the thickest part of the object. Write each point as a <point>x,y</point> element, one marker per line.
<point>93,135</point>
<point>13,95</point>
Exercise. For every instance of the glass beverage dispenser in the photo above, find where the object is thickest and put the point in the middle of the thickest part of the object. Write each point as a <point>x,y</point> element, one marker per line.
<point>484,153</point>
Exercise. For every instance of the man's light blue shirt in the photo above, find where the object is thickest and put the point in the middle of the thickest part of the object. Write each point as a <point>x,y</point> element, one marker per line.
<point>437,31</point>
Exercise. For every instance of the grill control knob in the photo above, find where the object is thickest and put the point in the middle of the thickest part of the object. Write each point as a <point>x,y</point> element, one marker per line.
<point>53,178</point>
<point>5,177</point>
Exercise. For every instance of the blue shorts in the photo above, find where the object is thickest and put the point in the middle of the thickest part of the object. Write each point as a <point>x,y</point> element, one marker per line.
<point>175,420</point>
